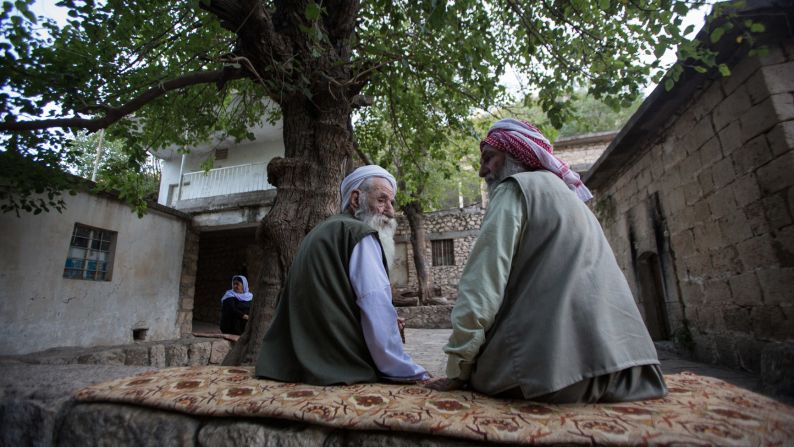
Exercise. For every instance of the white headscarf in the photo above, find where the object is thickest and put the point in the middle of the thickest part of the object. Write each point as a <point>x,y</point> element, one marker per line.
<point>245,296</point>
<point>357,177</point>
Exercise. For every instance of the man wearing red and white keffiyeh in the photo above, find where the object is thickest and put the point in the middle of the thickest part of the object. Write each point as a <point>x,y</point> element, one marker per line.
<point>527,145</point>
<point>543,310</point>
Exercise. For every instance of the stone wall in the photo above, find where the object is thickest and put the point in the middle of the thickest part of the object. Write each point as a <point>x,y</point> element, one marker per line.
<point>187,282</point>
<point>460,225</point>
<point>426,317</point>
<point>701,218</point>
<point>186,351</point>
<point>581,151</point>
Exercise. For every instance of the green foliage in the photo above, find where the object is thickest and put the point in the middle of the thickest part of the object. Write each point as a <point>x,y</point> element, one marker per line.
<point>428,64</point>
<point>107,54</point>
<point>134,183</point>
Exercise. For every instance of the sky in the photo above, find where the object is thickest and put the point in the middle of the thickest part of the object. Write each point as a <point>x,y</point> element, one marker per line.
<point>513,80</point>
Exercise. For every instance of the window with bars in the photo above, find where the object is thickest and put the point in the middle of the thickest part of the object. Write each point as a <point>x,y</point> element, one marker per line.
<point>90,254</point>
<point>443,252</point>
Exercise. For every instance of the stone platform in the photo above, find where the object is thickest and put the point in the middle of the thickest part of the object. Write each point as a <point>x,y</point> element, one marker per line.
<point>35,400</point>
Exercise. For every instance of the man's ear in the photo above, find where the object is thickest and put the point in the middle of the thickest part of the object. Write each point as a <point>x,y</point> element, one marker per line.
<point>354,196</point>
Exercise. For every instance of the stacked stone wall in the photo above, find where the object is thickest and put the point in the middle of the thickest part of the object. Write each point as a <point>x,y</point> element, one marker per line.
<point>187,282</point>
<point>581,155</point>
<point>460,225</point>
<point>720,178</point>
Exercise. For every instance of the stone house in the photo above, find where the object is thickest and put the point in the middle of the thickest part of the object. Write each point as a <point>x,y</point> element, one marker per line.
<point>94,274</point>
<point>696,196</point>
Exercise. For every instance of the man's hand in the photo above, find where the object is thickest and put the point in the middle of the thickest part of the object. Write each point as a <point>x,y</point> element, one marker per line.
<point>445,384</point>
<point>401,328</point>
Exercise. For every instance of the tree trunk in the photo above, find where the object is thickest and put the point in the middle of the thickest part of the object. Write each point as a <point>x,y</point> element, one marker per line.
<point>317,145</point>
<point>416,221</point>
<point>312,82</point>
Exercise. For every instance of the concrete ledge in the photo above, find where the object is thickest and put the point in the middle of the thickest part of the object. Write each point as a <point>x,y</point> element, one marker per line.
<point>225,202</point>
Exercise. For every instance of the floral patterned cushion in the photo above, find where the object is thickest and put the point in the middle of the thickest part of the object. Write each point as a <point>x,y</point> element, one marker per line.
<point>698,410</point>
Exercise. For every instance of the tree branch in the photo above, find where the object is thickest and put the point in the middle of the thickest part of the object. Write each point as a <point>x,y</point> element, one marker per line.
<point>113,114</point>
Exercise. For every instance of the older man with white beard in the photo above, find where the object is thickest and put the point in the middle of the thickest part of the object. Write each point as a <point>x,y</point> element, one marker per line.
<point>543,311</point>
<point>335,323</point>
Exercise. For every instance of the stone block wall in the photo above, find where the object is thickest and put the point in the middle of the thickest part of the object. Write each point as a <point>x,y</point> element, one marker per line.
<point>580,156</point>
<point>187,282</point>
<point>713,198</point>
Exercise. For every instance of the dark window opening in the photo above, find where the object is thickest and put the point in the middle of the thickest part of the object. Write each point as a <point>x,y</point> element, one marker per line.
<point>443,252</point>
<point>139,334</point>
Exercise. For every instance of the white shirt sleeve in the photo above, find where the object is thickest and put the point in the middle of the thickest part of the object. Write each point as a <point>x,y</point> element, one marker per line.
<point>378,317</point>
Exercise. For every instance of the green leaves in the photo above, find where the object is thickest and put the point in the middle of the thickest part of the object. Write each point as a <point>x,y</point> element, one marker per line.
<point>724,70</point>
<point>430,65</point>
<point>312,11</point>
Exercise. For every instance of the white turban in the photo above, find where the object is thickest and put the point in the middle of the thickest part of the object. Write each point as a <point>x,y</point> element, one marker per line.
<point>357,177</point>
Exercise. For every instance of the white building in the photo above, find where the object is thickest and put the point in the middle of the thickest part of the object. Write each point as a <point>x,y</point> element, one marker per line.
<point>226,204</point>
<point>94,274</point>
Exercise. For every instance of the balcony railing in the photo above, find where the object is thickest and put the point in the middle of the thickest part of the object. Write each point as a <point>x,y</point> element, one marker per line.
<point>223,181</point>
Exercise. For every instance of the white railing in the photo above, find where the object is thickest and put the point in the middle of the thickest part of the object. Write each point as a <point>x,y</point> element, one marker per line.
<point>223,181</point>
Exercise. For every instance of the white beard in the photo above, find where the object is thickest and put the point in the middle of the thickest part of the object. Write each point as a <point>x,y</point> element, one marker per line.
<point>511,167</point>
<point>386,228</point>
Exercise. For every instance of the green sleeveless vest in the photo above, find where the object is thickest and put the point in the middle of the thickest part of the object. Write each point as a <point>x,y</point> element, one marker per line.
<point>316,335</point>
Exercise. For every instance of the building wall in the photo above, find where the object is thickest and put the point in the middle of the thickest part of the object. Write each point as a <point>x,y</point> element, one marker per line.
<point>40,309</point>
<point>711,199</point>
<point>460,225</point>
<point>581,156</point>
<point>244,153</point>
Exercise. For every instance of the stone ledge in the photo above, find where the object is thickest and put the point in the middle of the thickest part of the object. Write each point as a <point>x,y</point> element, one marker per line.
<point>126,425</point>
<point>159,354</point>
<point>426,317</point>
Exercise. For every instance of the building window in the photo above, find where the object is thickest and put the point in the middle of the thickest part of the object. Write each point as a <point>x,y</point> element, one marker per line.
<point>443,252</point>
<point>90,254</point>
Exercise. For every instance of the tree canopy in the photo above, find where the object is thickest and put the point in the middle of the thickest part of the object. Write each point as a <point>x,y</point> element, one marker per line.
<point>163,73</point>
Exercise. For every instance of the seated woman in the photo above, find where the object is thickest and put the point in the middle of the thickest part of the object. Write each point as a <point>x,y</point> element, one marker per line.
<point>235,306</point>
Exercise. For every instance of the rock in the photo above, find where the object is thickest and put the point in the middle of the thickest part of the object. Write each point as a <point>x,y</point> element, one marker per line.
<point>402,301</point>
<point>176,355</point>
<point>199,353</point>
<point>438,301</point>
<point>277,433</point>
<point>136,356</point>
<point>34,398</point>
<point>124,425</point>
<point>157,356</point>
<point>104,357</point>
<point>426,317</point>
<point>26,422</point>
<point>219,350</point>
